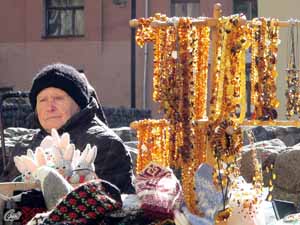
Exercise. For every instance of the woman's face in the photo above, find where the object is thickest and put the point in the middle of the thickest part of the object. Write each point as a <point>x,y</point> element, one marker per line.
<point>54,107</point>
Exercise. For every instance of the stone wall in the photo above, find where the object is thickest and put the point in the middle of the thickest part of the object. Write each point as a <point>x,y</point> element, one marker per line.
<point>277,148</point>
<point>289,135</point>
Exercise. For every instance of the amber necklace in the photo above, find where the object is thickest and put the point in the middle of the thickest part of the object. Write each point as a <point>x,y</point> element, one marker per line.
<point>293,82</point>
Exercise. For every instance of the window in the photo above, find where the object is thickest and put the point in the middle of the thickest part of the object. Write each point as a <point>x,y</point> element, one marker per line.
<point>247,7</point>
<point>64,18</point>
<point>182,8</point>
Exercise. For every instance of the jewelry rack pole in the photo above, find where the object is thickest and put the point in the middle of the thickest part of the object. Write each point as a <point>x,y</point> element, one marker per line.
<point>211,22</point>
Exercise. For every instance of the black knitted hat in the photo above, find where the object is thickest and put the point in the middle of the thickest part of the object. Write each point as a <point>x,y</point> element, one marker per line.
<point>64,77</point>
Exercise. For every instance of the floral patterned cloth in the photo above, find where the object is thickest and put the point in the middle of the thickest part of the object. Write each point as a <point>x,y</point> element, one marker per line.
<point>86,204</point>
<point>159,191</point>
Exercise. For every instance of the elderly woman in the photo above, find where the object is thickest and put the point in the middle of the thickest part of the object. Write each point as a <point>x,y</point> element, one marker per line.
<point>62,99</point>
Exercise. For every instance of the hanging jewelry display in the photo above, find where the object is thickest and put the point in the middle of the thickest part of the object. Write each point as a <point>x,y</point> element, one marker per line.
<point>229,84</point>
<point>145,32</point>
<point>226,142</point>
<point>245,198</point>
<point>257,180</point>
<point>265,41</point>
<point>188,169</point>
<point>180,88</point>
<point>186,74</point>
<point>200,70</point>
<point>293,81</point>
<point>153,145</point>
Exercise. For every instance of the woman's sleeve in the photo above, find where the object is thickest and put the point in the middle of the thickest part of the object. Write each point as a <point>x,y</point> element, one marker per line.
<point>113,163</point>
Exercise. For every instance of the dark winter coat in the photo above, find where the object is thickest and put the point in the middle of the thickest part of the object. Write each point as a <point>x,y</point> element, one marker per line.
<point>113,161</point>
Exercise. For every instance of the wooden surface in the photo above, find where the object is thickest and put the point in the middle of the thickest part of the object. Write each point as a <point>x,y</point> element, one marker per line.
<point>7,188</point>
